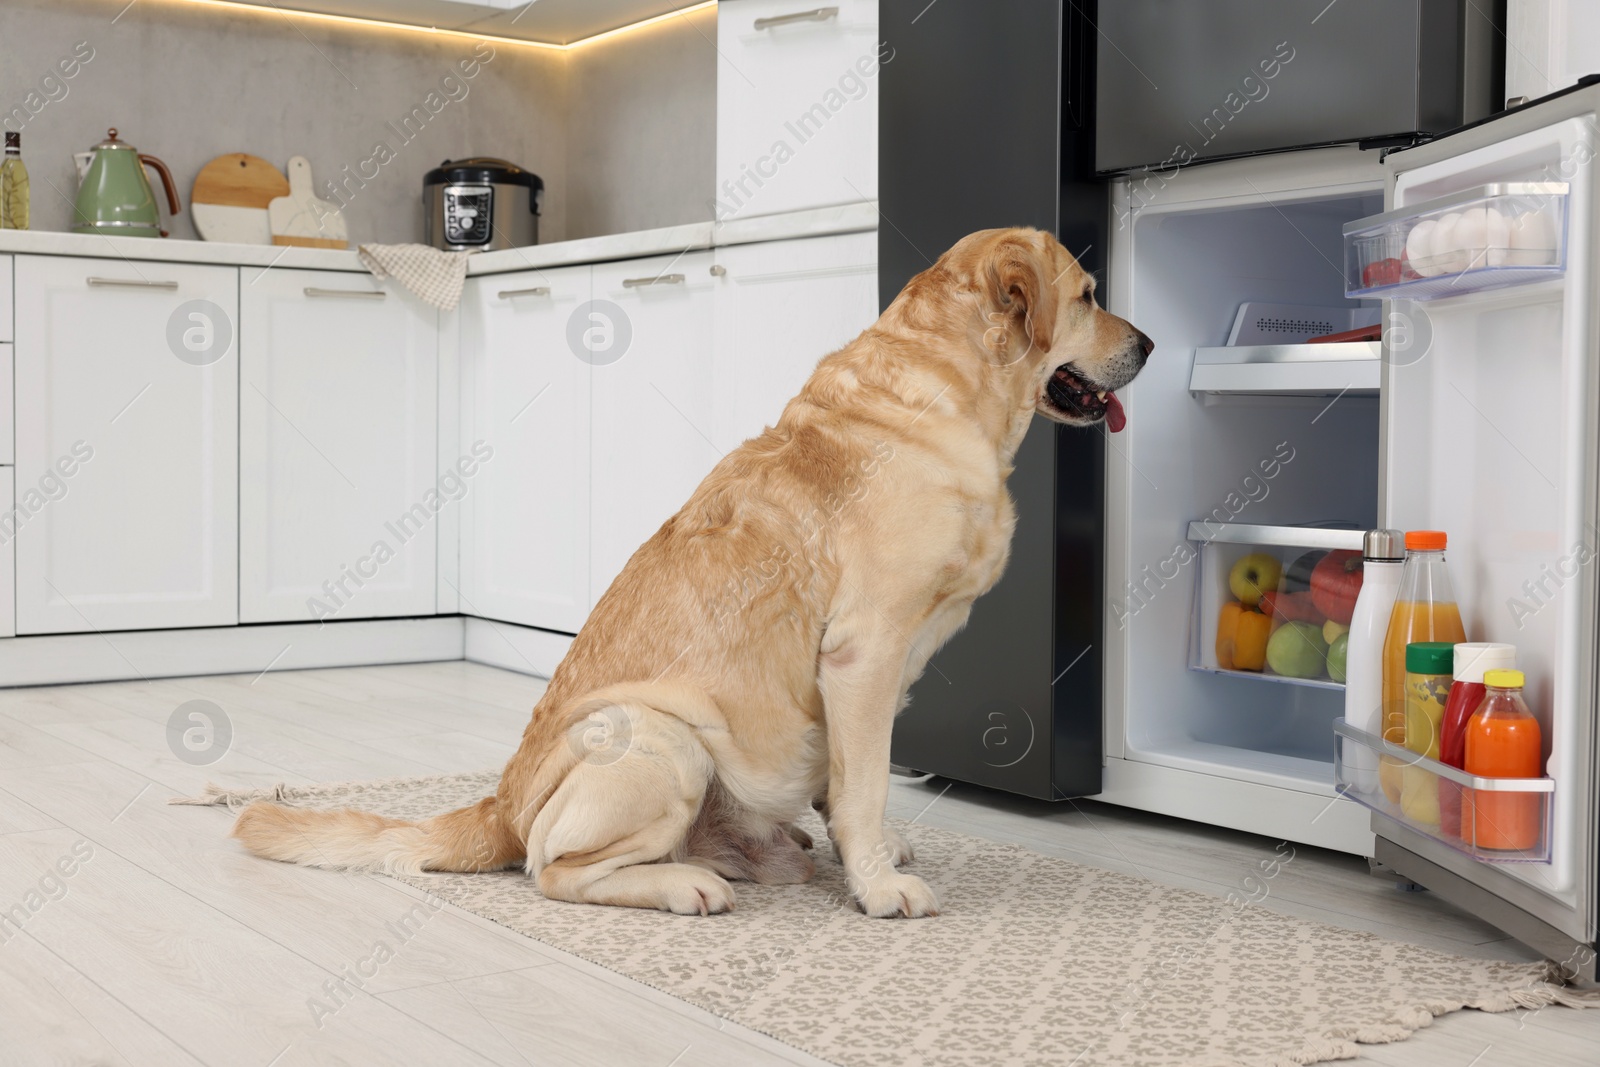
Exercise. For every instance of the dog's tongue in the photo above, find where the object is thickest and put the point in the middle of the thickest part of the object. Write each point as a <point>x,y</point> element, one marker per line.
<point>1116,418</point>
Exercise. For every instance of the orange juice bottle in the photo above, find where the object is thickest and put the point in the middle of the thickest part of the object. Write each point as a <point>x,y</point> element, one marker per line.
<point>1424,610</point>
<point>1503,741</point>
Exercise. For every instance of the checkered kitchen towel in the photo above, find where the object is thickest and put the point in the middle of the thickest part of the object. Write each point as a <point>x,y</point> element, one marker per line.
<point>431,274</point>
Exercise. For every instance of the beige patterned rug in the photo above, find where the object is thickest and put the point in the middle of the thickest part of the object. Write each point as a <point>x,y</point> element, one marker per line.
<point>1034,960</point>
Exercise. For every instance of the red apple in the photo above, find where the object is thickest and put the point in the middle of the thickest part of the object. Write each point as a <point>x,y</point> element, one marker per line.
<point>1292,607</point>
<point>1335,583</point>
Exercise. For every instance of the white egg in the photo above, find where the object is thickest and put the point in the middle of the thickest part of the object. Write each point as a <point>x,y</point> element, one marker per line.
<point>1419,245</point>
<point>1448,256</point>
<point>1496,237</point>
<point>1470,235</point>
<point>1533,238</point>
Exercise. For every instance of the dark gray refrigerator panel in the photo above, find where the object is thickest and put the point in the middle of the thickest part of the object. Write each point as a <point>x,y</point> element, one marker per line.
<point>1180,80</point>
<point>986,121</point>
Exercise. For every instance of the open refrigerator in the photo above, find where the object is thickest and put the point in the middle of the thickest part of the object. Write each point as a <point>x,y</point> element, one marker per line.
<point>1478,414</point>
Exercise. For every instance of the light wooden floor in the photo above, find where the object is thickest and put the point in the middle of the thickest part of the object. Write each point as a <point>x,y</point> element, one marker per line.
<point>166,945</point>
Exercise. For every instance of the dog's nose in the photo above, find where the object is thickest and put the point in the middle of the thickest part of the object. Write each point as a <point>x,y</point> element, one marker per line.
<point>1145,343</point>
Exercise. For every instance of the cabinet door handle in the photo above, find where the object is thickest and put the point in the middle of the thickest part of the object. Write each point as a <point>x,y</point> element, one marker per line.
<point>659,279</point>
<point>538,290</point>
<point>129,283</point>
<point>816,14</point>
<point>358,294</point>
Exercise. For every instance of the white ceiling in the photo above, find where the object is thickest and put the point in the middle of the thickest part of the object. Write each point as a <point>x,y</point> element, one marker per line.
<point>550,21</point>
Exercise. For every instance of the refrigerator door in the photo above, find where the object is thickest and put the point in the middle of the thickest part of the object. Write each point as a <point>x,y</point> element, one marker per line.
<point>1489,418</point>
<point>989,710</point>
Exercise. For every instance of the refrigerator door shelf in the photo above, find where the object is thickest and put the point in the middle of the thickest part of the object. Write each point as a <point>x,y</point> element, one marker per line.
<point>1288,370</point>
<point>1488,237</point>
<point>1478,812</point>
<point>1293,551</point>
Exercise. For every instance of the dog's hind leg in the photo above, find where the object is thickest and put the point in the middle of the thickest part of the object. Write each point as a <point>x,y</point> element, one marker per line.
<point>682,888</point>
<point>624,807</point>
<point>738,844</point>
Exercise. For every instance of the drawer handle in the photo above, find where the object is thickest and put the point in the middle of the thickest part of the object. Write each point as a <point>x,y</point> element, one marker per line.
<point>659,279</point>
<point>128,283</point>
<point>817,14</point>
<point>538,290</point>
<point>358,294</point>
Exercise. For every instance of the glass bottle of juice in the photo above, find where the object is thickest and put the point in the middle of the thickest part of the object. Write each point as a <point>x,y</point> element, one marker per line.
<point>14,195</point>
<point>1428,666</point>
<point>1503,741</point>
<point>1424,610</point>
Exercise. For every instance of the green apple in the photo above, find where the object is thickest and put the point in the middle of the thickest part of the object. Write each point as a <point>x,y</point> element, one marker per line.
<point>1297,650</point>
<point>1254,576</point>
<point>1338,656</point>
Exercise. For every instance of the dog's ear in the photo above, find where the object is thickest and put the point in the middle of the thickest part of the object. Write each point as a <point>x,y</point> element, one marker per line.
<point>1021,278</point>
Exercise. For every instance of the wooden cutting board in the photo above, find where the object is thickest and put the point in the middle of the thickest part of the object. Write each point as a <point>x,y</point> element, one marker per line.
<point>299,218</point>
<point>230,197</point>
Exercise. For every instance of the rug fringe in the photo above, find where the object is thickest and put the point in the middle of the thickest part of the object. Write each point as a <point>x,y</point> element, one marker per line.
<point>214,795</point>
<point>1547,986</point>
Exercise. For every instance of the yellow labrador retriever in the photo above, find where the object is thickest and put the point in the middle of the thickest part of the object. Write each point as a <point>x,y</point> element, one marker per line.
<point>750,659</point>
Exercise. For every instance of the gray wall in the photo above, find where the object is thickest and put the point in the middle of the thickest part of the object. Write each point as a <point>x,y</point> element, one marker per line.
<point>622,131</point>
<point>641,128</point>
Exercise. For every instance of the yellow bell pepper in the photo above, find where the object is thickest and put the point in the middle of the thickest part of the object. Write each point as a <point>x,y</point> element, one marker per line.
<point>1227,633</point>
<point>1250,635</point>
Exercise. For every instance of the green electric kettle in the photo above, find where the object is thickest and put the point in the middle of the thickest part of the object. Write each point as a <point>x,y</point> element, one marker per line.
<point>114,196</point>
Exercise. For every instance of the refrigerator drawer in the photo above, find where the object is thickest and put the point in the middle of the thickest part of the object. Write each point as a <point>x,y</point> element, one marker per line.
<point>1494,820</point>
<point>1490,237</point>
<point>1256,613</point>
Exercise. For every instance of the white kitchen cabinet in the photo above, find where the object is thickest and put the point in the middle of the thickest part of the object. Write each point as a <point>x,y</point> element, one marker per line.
<point>654,400</point>
<point>126,445</point>
<point>780,307</point>
<point>5,298</point>
<point>797,105</point>
<point>8,546</point>
<point>525,393</point>
<point>7,407</point>
<point>338,415</point>
<point>1550,44</point>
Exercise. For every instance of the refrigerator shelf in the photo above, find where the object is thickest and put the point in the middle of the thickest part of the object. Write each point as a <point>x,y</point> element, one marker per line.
<point>1493,820</point>
<point>1295,551</point>
<point>1297,370</point>
<point>1269,676</point>
<point>1489,237</point>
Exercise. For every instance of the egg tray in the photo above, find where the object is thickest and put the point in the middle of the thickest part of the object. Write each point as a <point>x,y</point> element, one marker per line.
<point>1490,237</point>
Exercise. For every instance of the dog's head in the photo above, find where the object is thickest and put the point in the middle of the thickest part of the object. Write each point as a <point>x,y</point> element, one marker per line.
<point>1058,352</point>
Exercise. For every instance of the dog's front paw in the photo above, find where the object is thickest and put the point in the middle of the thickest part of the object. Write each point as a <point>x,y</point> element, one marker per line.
<point>900,852</point>
<point>896,849</point>
<point>894,895</point>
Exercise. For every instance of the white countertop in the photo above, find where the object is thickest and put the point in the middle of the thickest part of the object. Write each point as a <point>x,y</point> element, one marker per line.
<point>847,218</point>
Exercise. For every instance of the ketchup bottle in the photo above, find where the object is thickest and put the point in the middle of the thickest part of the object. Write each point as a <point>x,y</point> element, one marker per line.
<point>1472,659</point>
<point>1503,741</point>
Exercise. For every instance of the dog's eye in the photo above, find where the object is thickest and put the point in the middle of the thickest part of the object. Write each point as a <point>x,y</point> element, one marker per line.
<point>1088,296</point>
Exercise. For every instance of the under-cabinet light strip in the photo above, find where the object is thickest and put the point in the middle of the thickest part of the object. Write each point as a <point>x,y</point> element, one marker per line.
<point>353,20</point>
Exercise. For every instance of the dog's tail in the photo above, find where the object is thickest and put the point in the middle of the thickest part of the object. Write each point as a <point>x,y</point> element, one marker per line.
<point>470,839</point>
